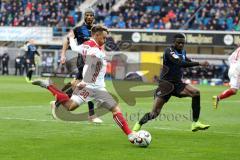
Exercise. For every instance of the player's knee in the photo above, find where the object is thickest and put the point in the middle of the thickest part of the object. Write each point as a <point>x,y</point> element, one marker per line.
<point>196,93</point>
<point>234,90</point>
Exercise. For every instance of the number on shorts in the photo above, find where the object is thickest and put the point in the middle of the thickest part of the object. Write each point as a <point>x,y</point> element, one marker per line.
<point>84,93</point>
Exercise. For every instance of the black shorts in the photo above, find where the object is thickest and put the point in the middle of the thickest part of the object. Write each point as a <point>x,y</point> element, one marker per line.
<point>175,90</point>
<point>79,75</point>
<point>31,65</point>
<point>80,65</point>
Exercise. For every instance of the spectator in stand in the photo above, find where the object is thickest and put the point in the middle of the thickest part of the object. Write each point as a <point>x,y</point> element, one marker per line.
<point>39,13</point>
<point>174,14</point>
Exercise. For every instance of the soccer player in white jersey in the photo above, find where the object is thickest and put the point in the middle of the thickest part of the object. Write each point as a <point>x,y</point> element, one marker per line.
<point>234,76</point>
<point>93,85</point>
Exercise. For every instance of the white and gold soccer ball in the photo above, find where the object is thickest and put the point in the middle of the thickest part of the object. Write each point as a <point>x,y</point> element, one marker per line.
<point>143,138</point>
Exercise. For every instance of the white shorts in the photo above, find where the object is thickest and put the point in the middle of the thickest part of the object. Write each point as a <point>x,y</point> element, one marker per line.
<point>87,94</point>
<point>234,78</point>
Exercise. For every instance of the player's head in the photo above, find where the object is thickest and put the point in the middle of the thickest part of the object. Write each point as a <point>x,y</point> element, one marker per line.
<point>89,16</point>
<point>179,41</point>
<point>99,33</point>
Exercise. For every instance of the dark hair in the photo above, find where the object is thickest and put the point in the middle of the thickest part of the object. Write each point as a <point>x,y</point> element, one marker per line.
<point>179,35</point>
<point>98,28</point>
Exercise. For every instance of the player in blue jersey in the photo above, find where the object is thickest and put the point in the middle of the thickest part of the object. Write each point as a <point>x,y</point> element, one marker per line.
<point>171,84</point>
<point>30,52</point>
<point>82,33</point>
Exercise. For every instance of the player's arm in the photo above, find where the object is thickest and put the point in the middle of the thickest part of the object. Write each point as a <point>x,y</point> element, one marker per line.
<point>74,46</point>
<point>64,50</point>
<point>174,58</point>
<point>37,53</point>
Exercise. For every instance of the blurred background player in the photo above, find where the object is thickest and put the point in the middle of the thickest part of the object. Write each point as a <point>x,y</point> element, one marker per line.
<point>234,76</point>
<point>30,52</point>
<point>174,61</point>
<point>18,65</point>
<point>5,67</point>
<point>82,33</point>
<point>93,84</point>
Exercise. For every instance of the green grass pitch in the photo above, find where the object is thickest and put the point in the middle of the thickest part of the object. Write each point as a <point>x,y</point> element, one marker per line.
<point>28,132</point>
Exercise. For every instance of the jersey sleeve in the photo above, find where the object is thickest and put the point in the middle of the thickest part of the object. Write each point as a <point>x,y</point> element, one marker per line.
<point>174,58</point>
<point>75,47</point>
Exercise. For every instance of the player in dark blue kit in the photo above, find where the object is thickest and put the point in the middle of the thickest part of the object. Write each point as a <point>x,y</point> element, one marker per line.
<point>82,33</point>
<point>170,84</point>
<point>30,52</point>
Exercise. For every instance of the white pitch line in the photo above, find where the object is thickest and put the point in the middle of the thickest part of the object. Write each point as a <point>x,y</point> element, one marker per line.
<point>108,124</point>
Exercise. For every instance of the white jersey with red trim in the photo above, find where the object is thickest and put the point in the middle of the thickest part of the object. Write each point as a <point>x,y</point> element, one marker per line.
<point>234,62</point>
<point>234,57</point>
<point>95,66</point>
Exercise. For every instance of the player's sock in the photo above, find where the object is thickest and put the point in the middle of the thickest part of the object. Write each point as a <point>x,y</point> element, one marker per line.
<point>67,86</point>
<point>60,96</point>
<point>29,74</point>
<point>226,93</point>
<point>91,108</point>
<point>146,118</point>
<point>195,108</point>
<point>57,103</point>
<point>69,92</point>
<point>122,123</point>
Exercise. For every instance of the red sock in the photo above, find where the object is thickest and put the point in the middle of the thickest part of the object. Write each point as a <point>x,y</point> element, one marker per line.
<point>226,93</point>
<point>120,120</point>
<point>61,97</point>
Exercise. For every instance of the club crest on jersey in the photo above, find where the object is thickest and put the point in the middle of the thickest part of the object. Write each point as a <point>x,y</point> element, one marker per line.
<point>174,55</point>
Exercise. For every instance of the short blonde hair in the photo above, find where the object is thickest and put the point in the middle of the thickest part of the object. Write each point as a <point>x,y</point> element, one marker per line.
<point>99,28</point>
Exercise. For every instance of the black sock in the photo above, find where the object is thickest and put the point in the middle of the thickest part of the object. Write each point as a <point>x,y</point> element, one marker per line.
<point>195,108</point>
<point>29,74</point>
<point>57,103</point>
<point>146,118</point>
<point>69,92</point>
<point>91,108</point>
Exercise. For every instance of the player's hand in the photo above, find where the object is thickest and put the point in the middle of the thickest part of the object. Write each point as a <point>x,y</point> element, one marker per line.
<point>204,63</point>
<point>27,60</point>
<point>81,85</point>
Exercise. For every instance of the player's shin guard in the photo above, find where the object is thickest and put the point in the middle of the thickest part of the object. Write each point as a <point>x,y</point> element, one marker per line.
<point>122,123</point>
<point>60,96</point>
<point>227,93</point>
<point>195,108</point>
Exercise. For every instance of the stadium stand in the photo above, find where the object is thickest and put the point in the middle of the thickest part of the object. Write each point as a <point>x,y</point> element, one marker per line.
<point>54,13</point>
<point>145,14</point>
<point>173,14</point>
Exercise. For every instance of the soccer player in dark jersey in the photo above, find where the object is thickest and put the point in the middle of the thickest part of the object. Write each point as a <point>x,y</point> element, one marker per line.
<point>174,61</point>
<point>30,52</point>
<point>82,33</point>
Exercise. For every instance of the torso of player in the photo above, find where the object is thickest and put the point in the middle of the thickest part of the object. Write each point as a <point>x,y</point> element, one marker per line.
<point>82,33</point>
<point>172,72</point>
<point>234,57</point>
<point>95,64</point>
<point>234,62</point>
<point>31,52</point>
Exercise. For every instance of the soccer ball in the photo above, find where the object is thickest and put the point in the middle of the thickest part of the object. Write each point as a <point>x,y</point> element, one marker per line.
<point>143,138</point>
